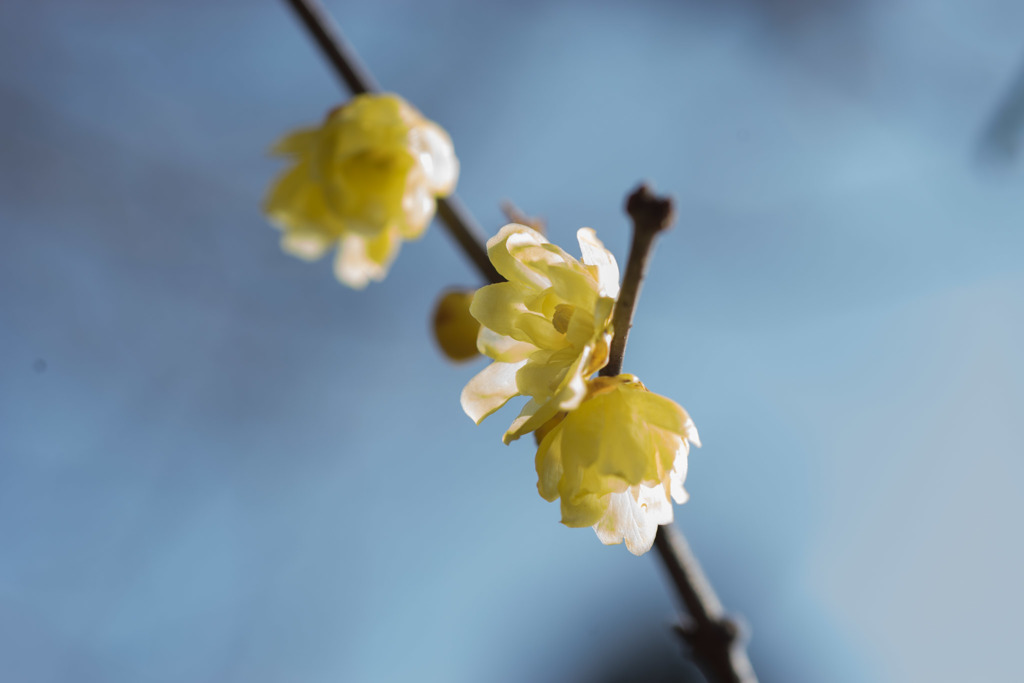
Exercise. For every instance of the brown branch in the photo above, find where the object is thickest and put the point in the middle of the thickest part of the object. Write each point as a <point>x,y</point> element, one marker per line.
<point>461,225</point>
<point>713,638</point>
<point>717,642</point>
<point>467,232</point>
<point>651,215</point>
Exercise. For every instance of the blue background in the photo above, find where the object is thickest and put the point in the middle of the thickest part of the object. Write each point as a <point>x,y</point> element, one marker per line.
<point>218,464</point>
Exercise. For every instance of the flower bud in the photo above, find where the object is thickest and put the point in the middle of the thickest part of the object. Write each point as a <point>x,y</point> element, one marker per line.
<point>454,328</point>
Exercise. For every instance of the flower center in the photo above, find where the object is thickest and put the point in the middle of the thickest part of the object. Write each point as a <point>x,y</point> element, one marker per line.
<point>562,316</point>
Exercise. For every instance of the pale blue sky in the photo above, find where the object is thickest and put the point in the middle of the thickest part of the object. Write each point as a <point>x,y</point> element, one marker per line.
<point>231,468</point>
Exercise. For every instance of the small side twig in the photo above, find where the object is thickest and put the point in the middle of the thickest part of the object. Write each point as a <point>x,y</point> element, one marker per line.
<point>716,641</point>
<point>516,215</point>
<point>358,79</point>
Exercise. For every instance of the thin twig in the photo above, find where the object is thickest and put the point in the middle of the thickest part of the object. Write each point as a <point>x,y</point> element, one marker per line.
<point>713,638</point>
<point>516,215</point>
<point>651,215</point>
<point>358,79</point>
<point>716,641</point>
<point>467,232</point>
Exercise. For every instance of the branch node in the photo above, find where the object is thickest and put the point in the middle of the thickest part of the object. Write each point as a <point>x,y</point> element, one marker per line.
<point>719,634</point>
<point>650,212</point>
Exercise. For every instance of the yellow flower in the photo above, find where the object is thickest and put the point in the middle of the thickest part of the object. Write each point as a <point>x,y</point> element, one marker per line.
<point>617,461</point>
<point>548,328</point>
<point>365,180</point>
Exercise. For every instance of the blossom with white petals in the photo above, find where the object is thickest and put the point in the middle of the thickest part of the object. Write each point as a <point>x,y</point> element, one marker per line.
<point>548,328</point>
<point>365,180</point>
<point>617,461</point>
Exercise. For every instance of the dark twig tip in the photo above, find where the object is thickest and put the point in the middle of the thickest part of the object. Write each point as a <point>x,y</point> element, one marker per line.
<point>650,212</point>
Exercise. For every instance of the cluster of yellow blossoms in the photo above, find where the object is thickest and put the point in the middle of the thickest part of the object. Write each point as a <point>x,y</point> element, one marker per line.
<point>365,180</point>
<point>613,452</point>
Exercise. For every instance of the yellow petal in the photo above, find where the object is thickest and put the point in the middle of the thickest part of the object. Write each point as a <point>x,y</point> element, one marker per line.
<point>537,330</point>
<point>535,378</point>
<point>585,509</point>
<point>297,143</point>
<point>294,203</point>
<point>514,237</point>
<point>573,389</point>
<point>573,285</point>
<point>661,412</point>
<point>490,389</point>
<point>498,307</point>
<point>549,465</point>
<point>502,348</point>
<point>534,414</point>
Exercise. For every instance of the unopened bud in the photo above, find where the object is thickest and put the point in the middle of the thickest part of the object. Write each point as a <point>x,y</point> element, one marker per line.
<point>454,328</point>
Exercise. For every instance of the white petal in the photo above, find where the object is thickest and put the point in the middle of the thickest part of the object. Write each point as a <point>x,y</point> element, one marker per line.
<point>595,254</point>
<point>361,258</point>
<point>490,389</point>
<point>631,520</point>
<point>691,432</point>
<point>419,206</point>
<point>678,475</point>
<point>353,266</point>
<point>437,158</point>
<point>655,504</point>
<point>308,246</point>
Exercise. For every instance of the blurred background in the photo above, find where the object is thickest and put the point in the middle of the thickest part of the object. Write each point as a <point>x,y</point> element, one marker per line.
<point>218,464</point>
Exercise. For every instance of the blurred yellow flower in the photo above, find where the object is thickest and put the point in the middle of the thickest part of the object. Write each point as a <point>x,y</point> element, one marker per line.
<point>365,180</point>
<point>548,328</point>
<point>617,461</point>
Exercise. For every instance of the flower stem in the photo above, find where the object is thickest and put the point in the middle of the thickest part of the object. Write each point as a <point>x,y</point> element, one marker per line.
<point>716,641</point>
<point>713,638</point>
<point>358,79</point>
